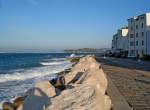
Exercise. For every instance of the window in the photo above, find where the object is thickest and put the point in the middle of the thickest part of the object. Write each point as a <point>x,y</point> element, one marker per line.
<point>142,52</point>
<point>142,17</point>
<point>132,52</point>
<point>137,19</point>
<point>136,26</point>
<point>131,43</point>
<point>142,25</point>
<point>136,43</point>
<point>136,34</point>
<point>131,35</point>
<point>142,34</point>
<point>137,52</point>
<point>142,42</point>
<point>131,28</point>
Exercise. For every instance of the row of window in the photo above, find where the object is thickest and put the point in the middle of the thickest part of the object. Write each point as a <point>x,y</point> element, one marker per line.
<point>137,26</point>
<point>141,34</point>
<point>142,17</point>
<point>137,52</point>
<point>137,43</point>
<point>137,35</point>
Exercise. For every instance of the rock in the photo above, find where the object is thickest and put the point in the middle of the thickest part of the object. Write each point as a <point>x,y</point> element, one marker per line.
<point>20,107</point>
<point>39,97</point>
<point>74,59</point>
<point>29,92</point>
<point>80,97</point>
<point>13,106</point>
<point>62,73</point>
<point>7,106</point>
<point>86,88</point>
<point>46,88</point>
<point>58,82</point>
<point>77,77</point>
<point>88,64</point>
<point>18,101</point>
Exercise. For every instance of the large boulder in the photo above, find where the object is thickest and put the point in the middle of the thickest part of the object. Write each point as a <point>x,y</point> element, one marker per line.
<point>80,97</point>
<point>46,87</point>
<point>88,65</point>
<point>39,97</point>
<point>7,106</point>
<point>18,101</point>
<point>14,105</point>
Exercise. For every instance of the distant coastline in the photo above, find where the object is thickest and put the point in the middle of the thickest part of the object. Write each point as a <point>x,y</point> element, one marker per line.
<point>86,50</point>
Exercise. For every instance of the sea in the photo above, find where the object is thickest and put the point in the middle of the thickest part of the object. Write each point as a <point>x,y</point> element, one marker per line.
<point>20,71</point>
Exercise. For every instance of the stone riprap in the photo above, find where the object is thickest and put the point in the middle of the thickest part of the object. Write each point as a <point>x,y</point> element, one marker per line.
<point>86,85</point>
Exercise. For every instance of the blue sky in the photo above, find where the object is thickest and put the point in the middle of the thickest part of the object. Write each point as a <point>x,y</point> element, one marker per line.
<point>59,24</point>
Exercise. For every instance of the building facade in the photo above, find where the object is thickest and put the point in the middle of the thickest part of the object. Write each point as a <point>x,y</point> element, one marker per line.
<point>120,39</point>
<point>114,42</point>
<point>139,35</point>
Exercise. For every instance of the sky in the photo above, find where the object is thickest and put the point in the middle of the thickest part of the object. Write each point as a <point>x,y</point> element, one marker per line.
<point>43,25</point>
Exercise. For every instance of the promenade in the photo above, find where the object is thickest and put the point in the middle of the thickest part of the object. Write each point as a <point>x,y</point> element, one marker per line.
<point>131,78</point>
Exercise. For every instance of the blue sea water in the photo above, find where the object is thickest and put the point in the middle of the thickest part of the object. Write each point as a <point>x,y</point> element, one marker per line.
<point>20,71</point>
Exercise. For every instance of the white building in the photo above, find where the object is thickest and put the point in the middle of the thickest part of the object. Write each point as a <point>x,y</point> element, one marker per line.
<point>114,42</point>
<point>139,35</point>
<point>120,39</point>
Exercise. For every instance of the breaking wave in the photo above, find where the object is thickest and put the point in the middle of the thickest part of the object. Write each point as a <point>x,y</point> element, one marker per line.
<point>54,63</point>
<point>39,72</point>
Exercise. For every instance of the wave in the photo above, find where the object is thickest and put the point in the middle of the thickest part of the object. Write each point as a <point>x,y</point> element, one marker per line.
<point>17,82</point>
<point>74,55</point>
<point>37,73</point>
<point>54,63</point>
<point>58,59</point>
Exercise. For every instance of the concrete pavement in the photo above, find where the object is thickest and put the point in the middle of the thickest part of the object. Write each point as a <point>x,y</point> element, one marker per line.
<point>132,79</point>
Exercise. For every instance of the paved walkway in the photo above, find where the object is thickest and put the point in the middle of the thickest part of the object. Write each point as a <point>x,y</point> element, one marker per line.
<point>132,79</point>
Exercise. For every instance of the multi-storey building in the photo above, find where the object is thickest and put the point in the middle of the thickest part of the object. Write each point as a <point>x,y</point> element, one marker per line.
<point>139,35</point>
<point>114,42</point>
<point>120,39</point>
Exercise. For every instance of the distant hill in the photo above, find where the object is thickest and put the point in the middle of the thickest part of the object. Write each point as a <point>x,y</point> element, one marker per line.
<point>86,50</point>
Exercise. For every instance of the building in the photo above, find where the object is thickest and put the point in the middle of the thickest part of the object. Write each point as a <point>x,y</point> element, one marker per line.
<point>120,39</point>
<point>114,42</point>
<point>139,35</point>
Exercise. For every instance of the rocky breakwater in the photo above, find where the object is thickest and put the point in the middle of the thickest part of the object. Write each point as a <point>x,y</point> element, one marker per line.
<point>85,89</point>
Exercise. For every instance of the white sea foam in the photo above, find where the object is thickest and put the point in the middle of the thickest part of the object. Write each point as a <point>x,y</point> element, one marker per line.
<point>58,59</point>
<point>72,55</point>
<point>53,67</point>
<point>55,63</point>
<point>18,81</point>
